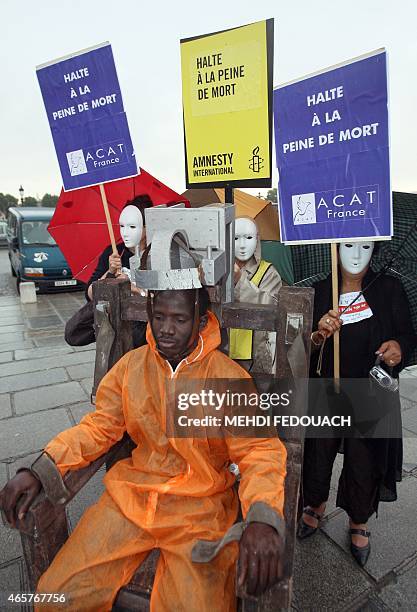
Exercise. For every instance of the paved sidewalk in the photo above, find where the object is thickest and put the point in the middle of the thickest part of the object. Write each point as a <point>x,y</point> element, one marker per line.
<point>326,576</point>
<point>45,387</point>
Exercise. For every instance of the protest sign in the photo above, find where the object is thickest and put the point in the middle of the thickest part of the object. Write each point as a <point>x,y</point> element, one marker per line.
<point>332,150</point>
<point>227,106</point>
<point>85,111</point>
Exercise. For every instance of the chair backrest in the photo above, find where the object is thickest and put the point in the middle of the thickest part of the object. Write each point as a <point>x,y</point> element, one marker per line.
<point>114,305</point>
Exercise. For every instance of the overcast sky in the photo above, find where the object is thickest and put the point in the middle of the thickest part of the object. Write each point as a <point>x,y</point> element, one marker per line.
<point>145,39</point>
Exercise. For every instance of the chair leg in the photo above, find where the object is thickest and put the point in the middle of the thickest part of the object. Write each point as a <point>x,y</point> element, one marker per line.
<point>39,550</point>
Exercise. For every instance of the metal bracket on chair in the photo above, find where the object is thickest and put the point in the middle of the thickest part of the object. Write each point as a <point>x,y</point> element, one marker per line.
<point>104,329</point>
<point>294,326</point>
<point>105,336</point>
<point>102,307</point>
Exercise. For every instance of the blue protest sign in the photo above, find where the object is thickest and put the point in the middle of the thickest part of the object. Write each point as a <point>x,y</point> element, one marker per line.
<point>85,111</point>
<point>332,150</point>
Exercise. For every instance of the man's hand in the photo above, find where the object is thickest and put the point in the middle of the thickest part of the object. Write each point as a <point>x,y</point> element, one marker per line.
<point>390,352</point>
<point>115,264</point>
<point>260,558</point>
<point>23,484</point>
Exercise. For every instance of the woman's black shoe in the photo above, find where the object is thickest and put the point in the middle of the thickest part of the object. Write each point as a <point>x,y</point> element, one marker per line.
<point>304,530</point>
<point>360,553</point>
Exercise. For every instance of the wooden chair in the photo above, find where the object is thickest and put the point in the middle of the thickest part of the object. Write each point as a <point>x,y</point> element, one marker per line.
<point>45,528</point>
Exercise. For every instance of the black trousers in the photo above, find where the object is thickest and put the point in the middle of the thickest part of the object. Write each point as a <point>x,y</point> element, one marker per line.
<point>359,481</point>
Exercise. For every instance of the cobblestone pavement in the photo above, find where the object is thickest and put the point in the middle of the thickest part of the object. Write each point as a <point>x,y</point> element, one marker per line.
<point>45,387</point>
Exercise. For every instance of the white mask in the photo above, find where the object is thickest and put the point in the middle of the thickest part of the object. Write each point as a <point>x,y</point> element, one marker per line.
<point>355,256</point>
<point>246,238</point>
<point>131,226</point>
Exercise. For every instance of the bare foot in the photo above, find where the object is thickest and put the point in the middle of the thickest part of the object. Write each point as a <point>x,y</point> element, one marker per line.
<point>359,540</point>
<point>310,520</point>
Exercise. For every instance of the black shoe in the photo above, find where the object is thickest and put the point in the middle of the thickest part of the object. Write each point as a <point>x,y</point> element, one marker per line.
<point>360,553</point>
<point>304,530</point>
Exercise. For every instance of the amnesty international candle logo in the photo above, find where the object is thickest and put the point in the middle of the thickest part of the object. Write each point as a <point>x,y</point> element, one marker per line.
<point>227,102</point>
<point>256,161</point>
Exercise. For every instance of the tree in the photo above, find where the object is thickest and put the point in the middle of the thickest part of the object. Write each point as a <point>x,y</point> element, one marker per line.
<point>272,195</point>
<point>7,200</point>
<point>30,201</point>
<point>49,200</point>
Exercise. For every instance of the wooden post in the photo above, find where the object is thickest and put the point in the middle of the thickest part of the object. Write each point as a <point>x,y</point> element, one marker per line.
<point>40,548</point>
<point>117,338</point>
<point>335,300</point>
<point>229,197</point>
<point>227,296</point>
<point>108,218</point>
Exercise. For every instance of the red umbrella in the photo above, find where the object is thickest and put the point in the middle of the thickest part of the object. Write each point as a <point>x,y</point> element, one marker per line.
<point>79,224</point>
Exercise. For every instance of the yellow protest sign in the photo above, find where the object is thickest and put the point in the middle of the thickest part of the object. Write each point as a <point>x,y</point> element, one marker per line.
<point>227,106</point>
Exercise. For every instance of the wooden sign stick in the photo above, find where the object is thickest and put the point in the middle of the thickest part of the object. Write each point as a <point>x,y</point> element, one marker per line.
<point>336,337</point>
<point>108,219</point>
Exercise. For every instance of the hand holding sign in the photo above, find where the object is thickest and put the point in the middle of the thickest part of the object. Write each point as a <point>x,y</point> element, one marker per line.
<point>115,263</point>
<point>329,323</point>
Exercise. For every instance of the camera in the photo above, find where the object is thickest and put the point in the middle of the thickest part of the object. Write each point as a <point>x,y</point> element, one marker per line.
<point>381,376</point>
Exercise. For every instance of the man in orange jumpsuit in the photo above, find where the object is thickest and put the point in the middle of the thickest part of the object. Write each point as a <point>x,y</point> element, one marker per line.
<point>172,491</point>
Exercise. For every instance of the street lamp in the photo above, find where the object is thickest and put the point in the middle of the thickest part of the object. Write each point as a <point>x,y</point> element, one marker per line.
<point>21,193</point>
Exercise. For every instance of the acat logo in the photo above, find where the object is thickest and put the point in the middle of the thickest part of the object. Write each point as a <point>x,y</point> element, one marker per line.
<point>325,206</point>
<point>76,162</point>
<point>104,156</point>
<point>344,205</point>
<point>304,208</point>
<point>80,161</point>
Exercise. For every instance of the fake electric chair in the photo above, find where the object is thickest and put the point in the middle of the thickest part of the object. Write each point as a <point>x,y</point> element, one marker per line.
<point>187,246</point>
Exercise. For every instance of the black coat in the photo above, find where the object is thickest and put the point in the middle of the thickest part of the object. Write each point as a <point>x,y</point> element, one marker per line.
<point>103,263</point>
<point>138,327</point>
<point>391,320</point>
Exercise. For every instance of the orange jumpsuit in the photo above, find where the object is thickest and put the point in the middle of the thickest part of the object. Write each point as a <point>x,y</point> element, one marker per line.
<point>167,495</point>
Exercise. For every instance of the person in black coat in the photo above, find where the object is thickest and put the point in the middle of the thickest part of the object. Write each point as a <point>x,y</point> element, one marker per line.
<point>110,265</point>
<point>376,324</point>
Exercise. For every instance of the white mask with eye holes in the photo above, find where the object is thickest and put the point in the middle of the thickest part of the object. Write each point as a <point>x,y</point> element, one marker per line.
<point>131,226</point>
<point>246,238</point>
<point>355,256</point>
